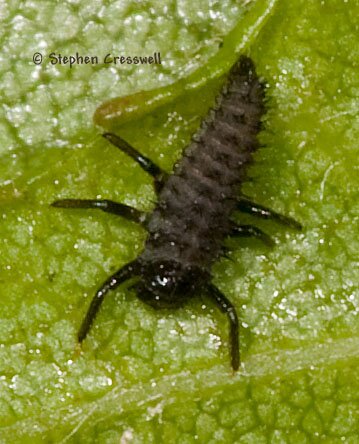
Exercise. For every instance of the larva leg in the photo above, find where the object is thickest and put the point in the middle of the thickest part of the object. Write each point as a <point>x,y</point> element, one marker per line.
<point>226,307</point>
<point>111,283</point>
<point>251,231</point>
<point>145,163</point>
<point>250,207</point>
<point>105,205</point>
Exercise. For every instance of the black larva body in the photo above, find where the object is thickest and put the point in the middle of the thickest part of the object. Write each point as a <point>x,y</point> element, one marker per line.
<point>192,215</point>
<point>195,204</point>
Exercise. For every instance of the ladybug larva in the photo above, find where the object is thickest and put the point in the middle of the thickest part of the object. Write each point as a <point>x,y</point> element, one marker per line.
<point>195,205</point>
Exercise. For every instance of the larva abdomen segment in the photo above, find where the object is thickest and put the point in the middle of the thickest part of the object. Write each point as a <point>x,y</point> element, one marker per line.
<point>193,212</point>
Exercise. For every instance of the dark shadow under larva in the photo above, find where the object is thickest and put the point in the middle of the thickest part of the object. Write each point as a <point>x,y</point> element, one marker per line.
<point>195,204</point>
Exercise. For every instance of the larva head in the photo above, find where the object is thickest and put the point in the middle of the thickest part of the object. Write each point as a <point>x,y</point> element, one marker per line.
<point>167,283</point>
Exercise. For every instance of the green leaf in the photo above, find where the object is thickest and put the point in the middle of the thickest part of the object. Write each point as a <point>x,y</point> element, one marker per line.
<point>150,376</point>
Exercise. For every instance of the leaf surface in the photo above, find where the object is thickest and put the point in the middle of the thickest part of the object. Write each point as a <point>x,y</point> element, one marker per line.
<point>148,376</point>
